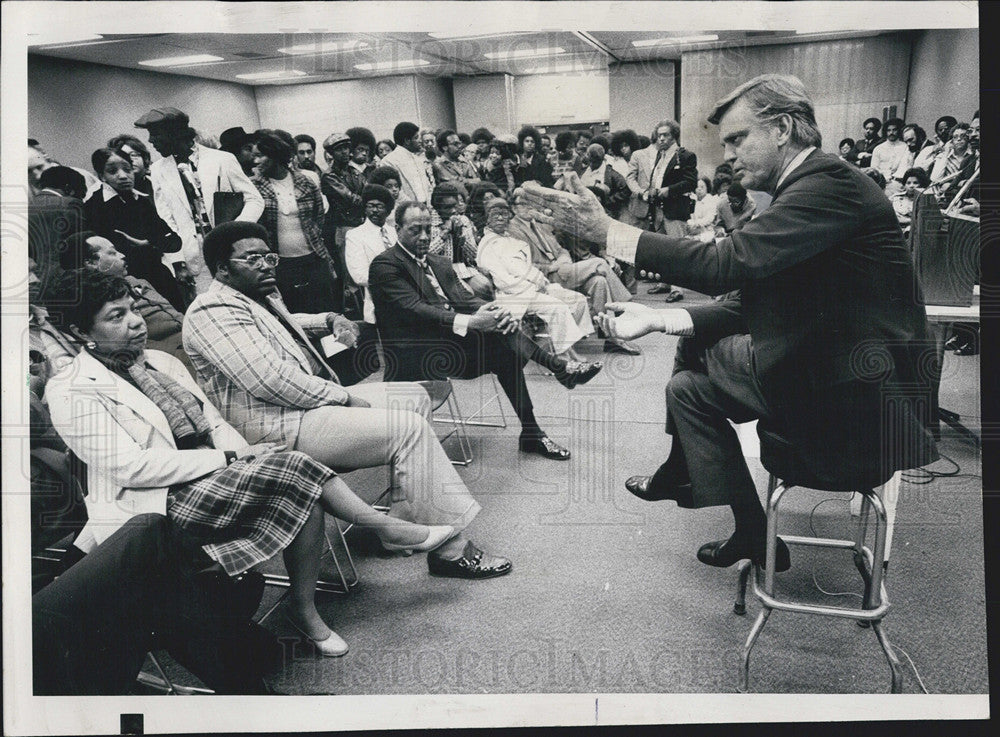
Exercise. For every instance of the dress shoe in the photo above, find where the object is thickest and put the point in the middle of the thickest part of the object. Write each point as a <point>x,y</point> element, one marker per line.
<point>436,537</point>
<point>473,563</point>
<point>578,372</point>
<point>332,647</point>
<point>952,343</point>
<point>544,446</point>
<point>723,553</point>
<point>640,486</point>
<point>617,345</point>
<point>675,295</point>
<point>967,349</point>
<point>660,289</point>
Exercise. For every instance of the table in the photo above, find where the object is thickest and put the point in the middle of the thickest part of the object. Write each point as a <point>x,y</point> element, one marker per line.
<point>940,317</point>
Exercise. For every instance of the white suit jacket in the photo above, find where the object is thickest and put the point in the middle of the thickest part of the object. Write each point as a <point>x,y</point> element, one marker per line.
<point>640,169</point>
<point>126,442</point>
<point>218,171</point>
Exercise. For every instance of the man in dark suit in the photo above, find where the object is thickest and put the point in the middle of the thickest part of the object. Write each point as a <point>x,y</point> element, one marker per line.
<point>433,327</point>
<point>674,177</point>
<point>826,344</point>
<point>54,214</point>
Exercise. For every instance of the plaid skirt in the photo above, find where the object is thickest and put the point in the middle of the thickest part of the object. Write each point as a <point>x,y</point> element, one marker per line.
<point>250,511</point>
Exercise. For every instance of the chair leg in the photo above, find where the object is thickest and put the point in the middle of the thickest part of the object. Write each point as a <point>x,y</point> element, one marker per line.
<point>740,607</point>
<point>894,665</point>
<point>755,631</point>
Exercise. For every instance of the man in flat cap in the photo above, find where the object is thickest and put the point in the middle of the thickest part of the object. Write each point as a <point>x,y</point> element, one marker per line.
<point>342,185</point>
<point>184,183</point>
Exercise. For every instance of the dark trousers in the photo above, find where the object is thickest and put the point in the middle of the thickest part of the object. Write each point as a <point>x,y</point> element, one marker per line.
<point>306,284</point>
<point>146,587</point>
<point>711,385</point>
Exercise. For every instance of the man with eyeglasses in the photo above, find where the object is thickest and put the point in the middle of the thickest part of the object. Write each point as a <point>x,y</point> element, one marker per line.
<point>258,365</point>
<point>451,167</point>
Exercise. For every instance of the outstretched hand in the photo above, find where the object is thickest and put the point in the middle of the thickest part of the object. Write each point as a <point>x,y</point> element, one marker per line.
<point>576,210</point>
<point>630,320</point>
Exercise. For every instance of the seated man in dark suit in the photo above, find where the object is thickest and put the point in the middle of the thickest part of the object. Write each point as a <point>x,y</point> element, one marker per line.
<point>827,344</point>
<point>433,328</point>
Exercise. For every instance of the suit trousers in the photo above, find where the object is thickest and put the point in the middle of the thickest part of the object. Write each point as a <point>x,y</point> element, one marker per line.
<point>395,432</point>
<point>710,386</point>
<point>594,278</point>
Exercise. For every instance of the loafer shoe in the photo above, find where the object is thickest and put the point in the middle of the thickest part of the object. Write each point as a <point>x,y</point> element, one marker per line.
<point>641,486</point>
<point>723,553</point>
<point>578,372</point>
<point>543,446</point>
<point>473,563</point>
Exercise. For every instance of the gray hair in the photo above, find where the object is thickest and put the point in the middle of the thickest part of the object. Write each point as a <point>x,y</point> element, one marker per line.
<point>770,96</point>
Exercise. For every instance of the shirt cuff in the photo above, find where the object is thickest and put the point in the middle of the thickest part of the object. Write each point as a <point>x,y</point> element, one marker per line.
<point>461,324</point>
<point>623,240</point>
<point>677,322</point>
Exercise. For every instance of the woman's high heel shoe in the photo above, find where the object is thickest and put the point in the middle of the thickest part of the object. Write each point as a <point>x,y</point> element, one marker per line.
<point>438,535</point>
<point>332,647</point>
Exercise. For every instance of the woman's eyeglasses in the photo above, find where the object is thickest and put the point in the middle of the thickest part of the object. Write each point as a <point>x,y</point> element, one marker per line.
<point>254,260</point>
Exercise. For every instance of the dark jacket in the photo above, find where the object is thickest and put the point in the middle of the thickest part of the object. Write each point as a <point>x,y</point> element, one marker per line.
<point>681,177</point>
<point>829,297</point>
<point>539,170</point>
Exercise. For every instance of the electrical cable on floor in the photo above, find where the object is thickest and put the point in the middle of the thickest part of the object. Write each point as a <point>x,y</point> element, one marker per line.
<point>854,593</point>
<point>921,476</point>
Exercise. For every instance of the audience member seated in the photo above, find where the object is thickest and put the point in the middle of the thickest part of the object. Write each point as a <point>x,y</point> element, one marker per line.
<point>479,196</point>
<point>87,250</point>
<point>942,132</point>
<point>408,159</point>
<point>293,219</point>
<point>701,224</point>
<point>362,150</point>
<point>368,240</point>
<point>735,209</point>
<point>138,154</point>
<point>451,166</point>
<point>55,213</point>
<point>522,289</point>
<point>500,166</point>
<point>565,154</point>
<point>866,146</point>
<point>185,182</point>
<point>848,152</point>
<point>580,146</point>
<point>147,587</point>
<point>239,143</point>
<point>388,177</point>
<point>892,153</point>
<point>128,218</point>
<point>594,277</point>
<point>601,175</point>
<point>433,329</point>
<point>58,347</point>
<point>482,138</point>
<point>454,237</point>
<point>154,442</point>
<point>256,360</point>
<point>921,151</point>
<point>954,166</point>
<point>915,181</point>
<point>532,165</point>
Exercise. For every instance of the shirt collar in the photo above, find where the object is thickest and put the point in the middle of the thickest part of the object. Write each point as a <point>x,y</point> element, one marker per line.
<point>794,164</point>
<point>109,193</point>
<point>421,261</point>
<point>359,167</point>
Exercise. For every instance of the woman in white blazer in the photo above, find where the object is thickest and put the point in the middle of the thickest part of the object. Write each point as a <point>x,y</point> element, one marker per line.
<point>153,442</point>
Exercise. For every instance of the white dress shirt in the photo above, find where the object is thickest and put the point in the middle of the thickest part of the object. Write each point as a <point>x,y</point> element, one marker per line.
<point>362,245</point>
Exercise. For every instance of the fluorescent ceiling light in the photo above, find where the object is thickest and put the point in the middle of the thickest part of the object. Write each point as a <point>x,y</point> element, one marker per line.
<point>383,66</point>
<point>325,47</point>
<point>51,39</point>
<point>177,61</point>
<point>281,74</point>
<point>559,68</point>
<point>675,40</point>
<point>525,53</point>
<point>473,34</point>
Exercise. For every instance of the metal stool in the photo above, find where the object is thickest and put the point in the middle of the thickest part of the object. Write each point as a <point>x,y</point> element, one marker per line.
<point>782,462</point>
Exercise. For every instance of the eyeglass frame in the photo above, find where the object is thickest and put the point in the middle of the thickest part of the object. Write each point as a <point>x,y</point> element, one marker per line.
<point>254,260</point>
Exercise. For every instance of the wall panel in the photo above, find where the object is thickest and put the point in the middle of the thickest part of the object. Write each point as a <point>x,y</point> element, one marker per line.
<point>641,94</point>
<point>484,101</point>
<point>945,75</point>
<point>560,99</point>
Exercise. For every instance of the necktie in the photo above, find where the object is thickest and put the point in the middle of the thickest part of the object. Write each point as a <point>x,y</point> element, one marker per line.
<point>278,310</point>
<point>429,273</point>
<point>386,241</point>
<point>192,188</point>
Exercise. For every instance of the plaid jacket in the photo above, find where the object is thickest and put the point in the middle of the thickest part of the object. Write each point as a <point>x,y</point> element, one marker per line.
<point>310,202</point>
<point>252,368</point>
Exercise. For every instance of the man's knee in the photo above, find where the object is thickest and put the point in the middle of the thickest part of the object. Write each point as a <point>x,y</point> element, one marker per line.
<point>684,387</point>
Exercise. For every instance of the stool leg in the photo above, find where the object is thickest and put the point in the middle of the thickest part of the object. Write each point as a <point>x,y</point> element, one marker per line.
<point>740,607</point>
<point>890,655</point>
<point>859,556</point>
<point>755,631</point>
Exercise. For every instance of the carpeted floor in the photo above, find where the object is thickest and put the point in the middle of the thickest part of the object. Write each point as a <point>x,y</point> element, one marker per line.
<point>606,594</point>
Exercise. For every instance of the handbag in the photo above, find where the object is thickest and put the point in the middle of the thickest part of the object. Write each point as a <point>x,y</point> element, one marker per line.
<point>226,206</point>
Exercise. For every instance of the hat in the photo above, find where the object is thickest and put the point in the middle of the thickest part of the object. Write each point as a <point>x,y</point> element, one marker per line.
<point>496,202</point>
<point>335,139</point>
<point>163,116</point>
<point>233,139</point>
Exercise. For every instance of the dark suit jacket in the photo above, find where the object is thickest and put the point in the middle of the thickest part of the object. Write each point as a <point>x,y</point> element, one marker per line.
<point>411,316</point>
<point>681,177</point>
<point>51,219</point>
<point>841,346</point>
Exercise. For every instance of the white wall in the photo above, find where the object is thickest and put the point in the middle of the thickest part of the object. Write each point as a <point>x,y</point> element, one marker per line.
<point>75,107</point>
<point>944,76</point>
<point>558,99</point>
<point>641,94</point>
<point>435,103</point>
<point>484,101</point>
<point>378,103</point>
